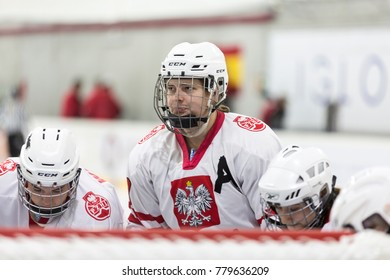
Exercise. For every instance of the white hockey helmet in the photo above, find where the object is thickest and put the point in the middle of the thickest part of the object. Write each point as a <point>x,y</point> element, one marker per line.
<point>203,61</point>
<point>49,158</point>
<point>297,176</point>
<point>364,202</point>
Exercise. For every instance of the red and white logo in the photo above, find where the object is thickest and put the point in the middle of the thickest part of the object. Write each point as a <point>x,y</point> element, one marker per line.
<point>97,206</point>
<point>194,200</point>
<point>6,166</point>
<point>249,123</point>
<point>151,133</point>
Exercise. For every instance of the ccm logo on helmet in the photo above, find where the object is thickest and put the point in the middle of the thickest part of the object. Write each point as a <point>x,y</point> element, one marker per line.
<point>177,64</point>
<point>49,175</point>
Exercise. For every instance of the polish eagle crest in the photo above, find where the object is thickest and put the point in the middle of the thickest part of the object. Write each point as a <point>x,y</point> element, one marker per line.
<point>194,205</point>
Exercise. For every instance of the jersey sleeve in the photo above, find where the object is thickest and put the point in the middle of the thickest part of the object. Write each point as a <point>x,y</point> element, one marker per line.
<point>253,165</point>
<point>98,205</point>
<point>143,202</point>
<point>117,219</point>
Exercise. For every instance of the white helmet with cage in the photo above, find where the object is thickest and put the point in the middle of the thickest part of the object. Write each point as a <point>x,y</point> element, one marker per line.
<point>204,61</point>
<point>365,202</point>
<point>48,159</point>
<point>297,176</point>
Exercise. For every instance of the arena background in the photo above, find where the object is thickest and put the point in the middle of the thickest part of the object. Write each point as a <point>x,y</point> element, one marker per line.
<point>316,53</point>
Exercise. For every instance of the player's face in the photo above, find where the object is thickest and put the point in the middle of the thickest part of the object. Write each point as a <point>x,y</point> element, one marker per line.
<point>297,216</point>
<point>187,96</point>
<point>48,197</point>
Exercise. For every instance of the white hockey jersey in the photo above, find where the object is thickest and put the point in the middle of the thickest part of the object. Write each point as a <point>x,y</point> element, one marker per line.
<point>218,188</point>
<point>96,206</point>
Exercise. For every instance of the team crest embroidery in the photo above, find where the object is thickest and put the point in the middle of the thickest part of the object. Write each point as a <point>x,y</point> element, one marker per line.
<point>194,202</point>
<point>151,133</point>
<point>249,123</point>
<point>6,166</point>
<point>97,206</point>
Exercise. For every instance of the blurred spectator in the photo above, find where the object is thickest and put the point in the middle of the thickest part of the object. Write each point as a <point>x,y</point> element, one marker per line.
<point>101,103</point>
<point>273,112</point>
<point>71,104</point>
<point>331,116</point>
<point>13,118</point>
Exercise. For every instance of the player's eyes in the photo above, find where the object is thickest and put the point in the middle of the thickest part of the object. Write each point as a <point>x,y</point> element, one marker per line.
<point>37,189</point>
<point>171,88</point>
<point>56,191</point>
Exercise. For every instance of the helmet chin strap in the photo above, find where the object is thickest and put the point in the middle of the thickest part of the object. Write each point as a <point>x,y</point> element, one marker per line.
<point>188,121</point>
<point>48,213</point>
<point>43,212</point>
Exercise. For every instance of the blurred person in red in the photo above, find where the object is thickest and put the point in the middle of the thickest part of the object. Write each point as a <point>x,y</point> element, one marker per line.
<point>101,103</point>
<point>71,104</point>
<point>273,111</point>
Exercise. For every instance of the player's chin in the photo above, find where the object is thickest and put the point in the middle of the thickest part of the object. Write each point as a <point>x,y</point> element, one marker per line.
<point>296,227</point>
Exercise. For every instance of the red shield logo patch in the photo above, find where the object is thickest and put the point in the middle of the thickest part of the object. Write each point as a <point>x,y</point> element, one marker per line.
<point>7,165</point>
<point>97,206</point>
<point>249,123</point>
<point>194,202</point>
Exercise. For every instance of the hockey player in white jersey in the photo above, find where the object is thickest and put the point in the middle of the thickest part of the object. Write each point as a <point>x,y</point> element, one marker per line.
<point>298,190</point>
<point>45,187</point>
<point>364,203</point>
<point>201,167</point>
